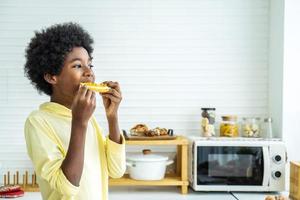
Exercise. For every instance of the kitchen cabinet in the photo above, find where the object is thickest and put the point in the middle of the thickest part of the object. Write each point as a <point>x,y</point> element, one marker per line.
<point>179,178</point>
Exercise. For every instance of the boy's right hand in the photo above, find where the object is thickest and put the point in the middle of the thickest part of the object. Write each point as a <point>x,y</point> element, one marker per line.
<point>84,105</point>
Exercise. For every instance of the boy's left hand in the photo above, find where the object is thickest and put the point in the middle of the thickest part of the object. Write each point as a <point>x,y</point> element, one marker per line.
<point>112,99</point>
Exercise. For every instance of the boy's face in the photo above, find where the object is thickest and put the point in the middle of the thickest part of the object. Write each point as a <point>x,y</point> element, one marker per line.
<point>77,68</point>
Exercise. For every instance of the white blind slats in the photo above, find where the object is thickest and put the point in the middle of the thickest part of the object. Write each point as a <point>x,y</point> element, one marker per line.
<point>171,58</point>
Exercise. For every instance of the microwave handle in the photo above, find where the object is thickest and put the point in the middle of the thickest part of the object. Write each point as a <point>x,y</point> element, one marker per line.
<point>267,171</point>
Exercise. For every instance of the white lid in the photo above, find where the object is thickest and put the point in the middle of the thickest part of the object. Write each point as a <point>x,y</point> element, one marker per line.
<point>146,158</point>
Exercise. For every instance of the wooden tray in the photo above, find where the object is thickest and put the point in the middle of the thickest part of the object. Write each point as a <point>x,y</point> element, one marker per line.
<point>165,137</point>
<point>170,136</point>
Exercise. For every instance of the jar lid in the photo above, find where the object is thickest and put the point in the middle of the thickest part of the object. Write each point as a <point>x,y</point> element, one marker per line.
<point>150,157</point>
<point>208,108</point>
<point>229,118</point>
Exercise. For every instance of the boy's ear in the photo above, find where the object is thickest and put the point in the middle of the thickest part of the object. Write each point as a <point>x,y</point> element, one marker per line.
<point>52,79</point>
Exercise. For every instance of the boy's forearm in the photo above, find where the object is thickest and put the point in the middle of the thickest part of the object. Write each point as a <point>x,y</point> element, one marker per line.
<point>72,166</point>
<point>114,131</point>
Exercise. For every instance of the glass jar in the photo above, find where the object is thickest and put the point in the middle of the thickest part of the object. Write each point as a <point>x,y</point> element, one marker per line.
<point>229,126</point>
<point>251,127</point>
<point>267,128</point>
<point>208,122</point>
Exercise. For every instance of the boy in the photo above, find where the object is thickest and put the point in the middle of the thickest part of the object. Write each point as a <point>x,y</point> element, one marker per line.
<point>71,158</point>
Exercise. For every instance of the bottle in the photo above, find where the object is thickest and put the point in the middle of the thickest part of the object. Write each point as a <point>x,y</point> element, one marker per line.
<point>229,126</point>
<point>208,122</point>
<point>268,129</point>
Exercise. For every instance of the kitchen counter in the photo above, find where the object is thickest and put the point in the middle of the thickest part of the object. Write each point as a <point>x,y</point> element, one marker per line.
<point>31,196</point>
<point>166,193</point>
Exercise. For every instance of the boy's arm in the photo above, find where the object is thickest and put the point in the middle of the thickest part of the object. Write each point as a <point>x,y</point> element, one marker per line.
<point>115,150</point>
<point>83,107</point>
<point>115,145</point>
<point>114,131</point>
<point>111,102</point>
<point>72,165</point>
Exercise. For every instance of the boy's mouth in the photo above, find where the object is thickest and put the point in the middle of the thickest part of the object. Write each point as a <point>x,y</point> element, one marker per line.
<point>88,81</point>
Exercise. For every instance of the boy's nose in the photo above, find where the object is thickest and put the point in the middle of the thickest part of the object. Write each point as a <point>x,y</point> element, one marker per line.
<point>88,71</point>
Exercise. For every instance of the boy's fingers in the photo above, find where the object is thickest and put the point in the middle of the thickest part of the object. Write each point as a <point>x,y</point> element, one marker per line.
<point>93,98</point>
<point>114,93</point>
<point>113,85</point>
<point>112,98</point>
<point>82,91</point>
<point>88,94</point>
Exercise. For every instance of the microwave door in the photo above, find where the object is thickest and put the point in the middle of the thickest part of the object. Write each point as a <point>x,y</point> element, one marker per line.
<point>230,165</point>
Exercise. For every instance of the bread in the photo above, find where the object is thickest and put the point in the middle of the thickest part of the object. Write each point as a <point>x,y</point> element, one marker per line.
<point>157,132</point>
<point>143,130</point>
<point>280,197</point>
<point>160,131</point>
<point>97,87</point>
<point>270,198</point>
<point>139,129</point>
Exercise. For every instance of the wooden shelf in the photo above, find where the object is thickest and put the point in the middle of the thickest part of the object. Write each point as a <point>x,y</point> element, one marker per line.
<point>178,141</point>
<point>30,188</point>
<point>169,180</point>
<point>180,178</point>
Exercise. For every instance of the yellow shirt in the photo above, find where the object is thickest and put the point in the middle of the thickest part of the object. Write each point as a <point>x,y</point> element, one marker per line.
<point>47,134</point>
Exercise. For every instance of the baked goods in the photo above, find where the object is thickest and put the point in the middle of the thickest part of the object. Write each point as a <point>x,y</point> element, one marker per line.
<point>139,130</point>
<point>279,197</point>
<point>97,87</point>
<point>270,198</point>
<point>157,132</point>
<point>143,130</point>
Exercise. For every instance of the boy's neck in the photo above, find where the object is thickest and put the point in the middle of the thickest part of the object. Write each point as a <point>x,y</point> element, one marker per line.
<point>65,102</point>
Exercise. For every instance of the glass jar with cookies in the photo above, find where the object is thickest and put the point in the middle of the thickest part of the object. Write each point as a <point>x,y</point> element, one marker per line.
<point>251,127</point>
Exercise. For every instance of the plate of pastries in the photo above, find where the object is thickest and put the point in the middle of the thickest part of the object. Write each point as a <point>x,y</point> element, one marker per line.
<point>143,132</point>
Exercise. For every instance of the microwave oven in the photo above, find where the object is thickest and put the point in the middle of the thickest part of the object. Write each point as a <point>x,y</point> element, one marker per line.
<point>236,164</point>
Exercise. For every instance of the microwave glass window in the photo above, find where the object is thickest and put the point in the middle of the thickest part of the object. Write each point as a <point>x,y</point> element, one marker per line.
<point>229,165</point>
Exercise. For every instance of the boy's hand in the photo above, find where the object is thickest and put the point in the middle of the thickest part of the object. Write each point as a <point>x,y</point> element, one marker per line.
<point>84,105</point>
<point>112,99</point>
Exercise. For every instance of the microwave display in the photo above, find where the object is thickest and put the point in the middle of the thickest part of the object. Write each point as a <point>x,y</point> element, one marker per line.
<point>229,165</point>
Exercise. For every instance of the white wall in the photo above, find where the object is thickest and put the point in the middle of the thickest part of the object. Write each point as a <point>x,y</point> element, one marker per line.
<point>171,58</point>
<point>291,94</point>
<point>276,65</point>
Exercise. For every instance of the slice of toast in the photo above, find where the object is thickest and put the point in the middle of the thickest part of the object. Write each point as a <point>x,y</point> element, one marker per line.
<point>97,87</point>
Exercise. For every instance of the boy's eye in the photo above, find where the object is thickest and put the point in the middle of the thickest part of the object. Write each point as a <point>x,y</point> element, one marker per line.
<point>91,66</point>
<point>77,66</point>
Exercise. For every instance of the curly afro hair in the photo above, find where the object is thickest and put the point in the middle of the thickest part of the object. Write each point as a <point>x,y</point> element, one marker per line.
<point>46,52</point>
